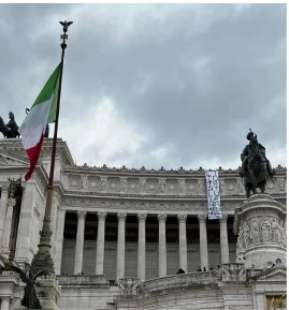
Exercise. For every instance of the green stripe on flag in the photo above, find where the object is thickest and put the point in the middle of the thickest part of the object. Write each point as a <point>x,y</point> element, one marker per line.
<point>52,111</point>
<point>49,88</point>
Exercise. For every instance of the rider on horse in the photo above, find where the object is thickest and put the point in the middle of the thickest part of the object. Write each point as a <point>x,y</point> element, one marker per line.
<point>256,168</point>
<point>254,151</point>
<point>10,130</point>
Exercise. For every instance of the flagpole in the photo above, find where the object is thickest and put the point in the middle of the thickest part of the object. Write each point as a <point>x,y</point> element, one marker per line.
<point>43,261</point>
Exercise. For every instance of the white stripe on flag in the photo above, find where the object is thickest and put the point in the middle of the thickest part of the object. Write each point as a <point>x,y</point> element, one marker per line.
<point>35,123</point>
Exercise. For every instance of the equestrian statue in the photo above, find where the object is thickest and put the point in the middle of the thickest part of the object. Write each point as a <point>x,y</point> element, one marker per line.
<point>9,130</point>
<point>256,168</point>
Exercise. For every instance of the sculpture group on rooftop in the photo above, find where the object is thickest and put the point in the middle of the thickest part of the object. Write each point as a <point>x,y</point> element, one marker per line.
<point>9,130</point>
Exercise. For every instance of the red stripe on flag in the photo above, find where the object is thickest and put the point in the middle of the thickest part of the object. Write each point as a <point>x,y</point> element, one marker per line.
<point>33,154</point>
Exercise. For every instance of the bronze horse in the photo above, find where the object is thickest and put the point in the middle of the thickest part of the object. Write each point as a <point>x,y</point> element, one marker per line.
<point>256,168</point>
<point>10,130</point>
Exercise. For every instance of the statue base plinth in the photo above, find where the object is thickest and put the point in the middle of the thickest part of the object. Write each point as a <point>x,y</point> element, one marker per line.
<point>260,225</point>
<point>48,292</point>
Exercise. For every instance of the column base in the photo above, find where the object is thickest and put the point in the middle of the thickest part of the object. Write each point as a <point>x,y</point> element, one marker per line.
<point>48,293</point>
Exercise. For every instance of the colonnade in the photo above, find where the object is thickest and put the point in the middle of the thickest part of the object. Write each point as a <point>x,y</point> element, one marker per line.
<point>141,249</point>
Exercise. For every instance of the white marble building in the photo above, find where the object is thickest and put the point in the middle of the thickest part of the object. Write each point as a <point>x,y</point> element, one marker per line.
<point>121,235</point>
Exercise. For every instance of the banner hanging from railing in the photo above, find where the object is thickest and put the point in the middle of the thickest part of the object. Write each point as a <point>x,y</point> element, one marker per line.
<point>213,194</point>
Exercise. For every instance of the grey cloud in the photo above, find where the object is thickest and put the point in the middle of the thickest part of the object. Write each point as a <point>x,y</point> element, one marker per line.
<point>193,77</point>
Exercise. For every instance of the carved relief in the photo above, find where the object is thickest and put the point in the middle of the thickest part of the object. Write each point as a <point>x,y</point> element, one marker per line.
<point>229,186</point>
<point>133,185</point>
<point>152,185</point>
<point>259,231</point>
<point>195,186</point>
<point>266,231</point>
<point>233,272</point>
<point>254,234</point>
<point>128,286</point>
<point>94,183</point>
<point>278,232</point>
<point>172,186</point>
<point>162,185</point>
<point>270,186</point>
<point>113,184</point>
<point>75,181</point>
<point>281,184</point>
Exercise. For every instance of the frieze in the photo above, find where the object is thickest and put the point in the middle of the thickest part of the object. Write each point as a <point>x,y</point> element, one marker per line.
<point>158,185</point>
<point>260,231</point>
<point>93,205</point>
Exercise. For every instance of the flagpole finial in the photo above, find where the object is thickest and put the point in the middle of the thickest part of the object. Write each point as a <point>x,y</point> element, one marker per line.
<point>65,24</point>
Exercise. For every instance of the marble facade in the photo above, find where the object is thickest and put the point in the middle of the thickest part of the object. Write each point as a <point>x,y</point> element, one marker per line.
<point>120,235</point>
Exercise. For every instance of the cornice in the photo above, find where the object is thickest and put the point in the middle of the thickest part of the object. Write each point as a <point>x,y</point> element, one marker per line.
<point>180,172</point>
<point>62,148</point>
<point>14,146</point>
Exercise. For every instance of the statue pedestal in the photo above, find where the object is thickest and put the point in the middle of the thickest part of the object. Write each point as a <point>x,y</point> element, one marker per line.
<point>48,292</point>
<point>261,227</point>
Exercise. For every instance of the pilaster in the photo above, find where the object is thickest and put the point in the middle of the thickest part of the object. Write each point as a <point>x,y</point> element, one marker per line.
<point>3,209</point>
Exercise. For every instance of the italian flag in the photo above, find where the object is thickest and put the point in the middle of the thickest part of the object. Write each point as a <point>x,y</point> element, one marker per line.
<point>42,112</point>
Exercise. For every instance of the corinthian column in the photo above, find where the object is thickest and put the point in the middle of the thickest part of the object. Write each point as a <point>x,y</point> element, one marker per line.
<point>100,243</point>
<point>203,240</point>
<point>7,227</point>
<point>5,303</point>
<point>3,207</point>
<point>183,242</point>
<point>224,240</point>
<point>78,255</point>
<point>59,239</point>
<point>141,254</point>
<point>120,264</point>
<point>162,245</point>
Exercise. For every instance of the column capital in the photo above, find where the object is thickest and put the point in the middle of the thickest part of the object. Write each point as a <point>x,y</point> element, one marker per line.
<point>121,216</point>
<point>202,218</point>
<point>142,216</point>
<point>81,214</point>
<point>224,218</point>
<point>182,217</point>
<point>162,217</point>
<point>101,214</point>
<point>61,210</point>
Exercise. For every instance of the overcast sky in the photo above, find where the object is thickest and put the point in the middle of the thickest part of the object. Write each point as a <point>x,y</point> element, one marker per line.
<point>153,85</point>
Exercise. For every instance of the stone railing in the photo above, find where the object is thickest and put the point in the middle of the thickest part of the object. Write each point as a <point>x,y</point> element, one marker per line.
<point>83,281</point>
<point>194,279</point>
